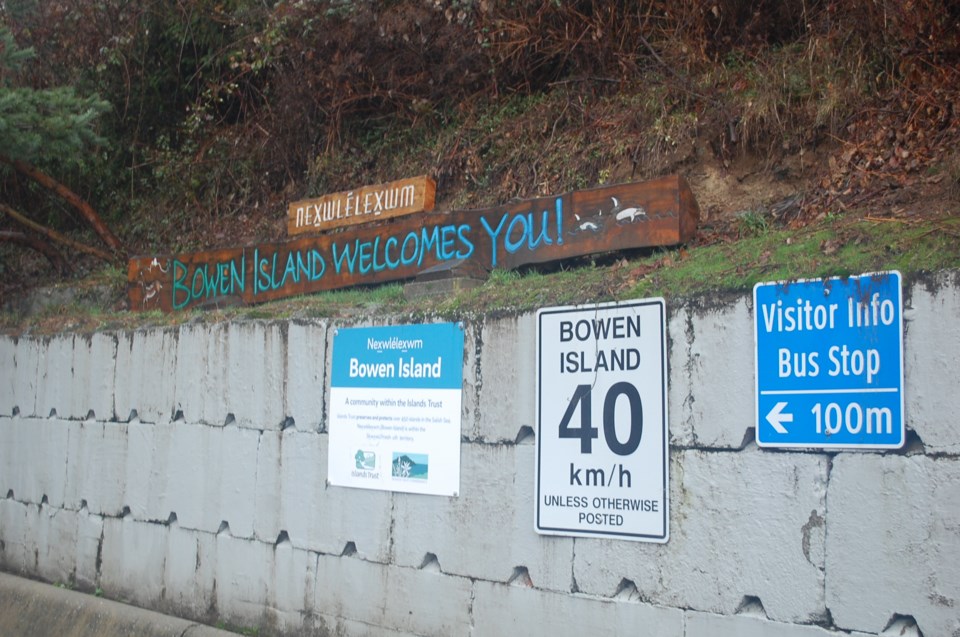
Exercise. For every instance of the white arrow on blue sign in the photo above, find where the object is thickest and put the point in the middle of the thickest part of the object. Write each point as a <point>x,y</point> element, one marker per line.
<point>829,362</point>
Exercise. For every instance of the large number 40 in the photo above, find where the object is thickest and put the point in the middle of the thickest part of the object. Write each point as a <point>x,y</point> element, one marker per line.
<point>586,432</point>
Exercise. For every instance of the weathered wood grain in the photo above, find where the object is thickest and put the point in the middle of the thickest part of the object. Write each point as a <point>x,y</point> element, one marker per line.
<point>364,205</point>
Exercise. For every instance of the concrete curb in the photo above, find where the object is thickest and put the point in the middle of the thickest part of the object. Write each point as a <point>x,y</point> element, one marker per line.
<point>34,609</point>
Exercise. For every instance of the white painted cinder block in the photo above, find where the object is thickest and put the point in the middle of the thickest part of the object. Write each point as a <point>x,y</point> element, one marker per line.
<point>255,373</point>
<point>931,352</point>
<point>501,609</point>
<point>193,476</point>
<point>16,519</point>
<point>55,376</point>
<point>33,455</point>
<point>94,373</point>
<point>8,351</point>
<point>709,625</point>
<point>26,359</point>
<point>189,573</point>
<point>96,466</point>
<point>291,587</point>
<point>244,573</point>
<point>9,433</point>
<point>133,561</point>
<point>306,374</point>
<point>742,524</point>
<point>269,498</point>
<point>711,390</point>
<point>146,470</point>
<point>416,601</point>
<point>76,375</point>
<point>493,516</point>
<point>508,378</point>
<point>200,377</point>
<point>87,549</point>
<point>146,374</point>
<point>892,542</point>
<point>238,479</point>
<point>55,542</point>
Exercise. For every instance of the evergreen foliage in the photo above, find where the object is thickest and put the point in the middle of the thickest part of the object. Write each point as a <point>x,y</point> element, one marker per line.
<point>43,126</point>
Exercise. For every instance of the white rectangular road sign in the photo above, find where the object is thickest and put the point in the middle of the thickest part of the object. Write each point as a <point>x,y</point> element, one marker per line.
<point>602,446</point>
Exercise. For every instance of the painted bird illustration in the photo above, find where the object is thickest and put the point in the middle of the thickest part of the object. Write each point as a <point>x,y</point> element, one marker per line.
<point>627,214</point>
<point>583,225</point>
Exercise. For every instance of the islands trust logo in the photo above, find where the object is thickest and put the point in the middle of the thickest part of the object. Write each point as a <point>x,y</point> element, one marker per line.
<point>410,466</point>
<point>366,465</point>
<point>365,460</point>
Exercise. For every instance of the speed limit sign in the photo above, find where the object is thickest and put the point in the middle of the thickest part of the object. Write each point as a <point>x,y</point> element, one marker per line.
<point>602,448</point>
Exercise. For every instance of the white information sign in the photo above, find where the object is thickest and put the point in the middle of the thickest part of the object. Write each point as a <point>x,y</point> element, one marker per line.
<point>394,417</point>
<point>602,446</point>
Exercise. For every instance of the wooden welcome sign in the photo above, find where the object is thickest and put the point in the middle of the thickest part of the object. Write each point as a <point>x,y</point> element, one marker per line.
<point>370,203</point>
<point>655,213</point>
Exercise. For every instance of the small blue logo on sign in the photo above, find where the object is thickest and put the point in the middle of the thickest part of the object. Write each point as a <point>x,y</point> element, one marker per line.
<point>829,362</point>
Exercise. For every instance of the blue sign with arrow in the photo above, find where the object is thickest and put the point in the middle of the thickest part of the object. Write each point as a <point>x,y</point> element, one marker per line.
<point>829,362</point>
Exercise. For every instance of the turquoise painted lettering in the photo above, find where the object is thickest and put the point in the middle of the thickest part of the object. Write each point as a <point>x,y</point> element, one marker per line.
<point>261,275</point>
<point>197,284</point>
<point>377,267</point>
<point>447,240</point>
<point>207,280</point>
<point>266,273</point>
<point>210,283</point>
<point>346,256</point>
<point>391,263</point>
<point>290,270</point>
<point>411,239</point>
<point>365,256</point>
<point>559,209</point>
<point>303,266</point>
<point>463,231</point>
<point>513,246</point>
<point>273,273</point>
<point>316,259</point>
<point>256,271</point>
<point>237,275</point>
<point>543,238</point>
<point>179,274</point>
<point>493,237</point>
<point>433,239</point>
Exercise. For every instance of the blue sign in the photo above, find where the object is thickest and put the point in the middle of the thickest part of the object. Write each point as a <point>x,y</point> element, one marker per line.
<point>424,356</point>
<point>829,362</point>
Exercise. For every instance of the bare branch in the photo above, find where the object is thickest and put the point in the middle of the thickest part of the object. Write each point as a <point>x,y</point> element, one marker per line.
<point>56,236</point>
<point>53,256</point>
<point>84,208</point>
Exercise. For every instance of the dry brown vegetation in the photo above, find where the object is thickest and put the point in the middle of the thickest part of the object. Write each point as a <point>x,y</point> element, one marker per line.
<point>223,111</point>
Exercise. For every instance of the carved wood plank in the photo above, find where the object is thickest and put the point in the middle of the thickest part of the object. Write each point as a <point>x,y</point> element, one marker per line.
<point>364,205</point>
<point>662,212</point>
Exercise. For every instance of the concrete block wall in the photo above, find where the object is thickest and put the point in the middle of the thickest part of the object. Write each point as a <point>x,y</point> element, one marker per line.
<point>184,470</point>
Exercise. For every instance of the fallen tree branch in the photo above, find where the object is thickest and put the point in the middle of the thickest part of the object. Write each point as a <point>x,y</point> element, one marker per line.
<point>56,236</point>
<point>53,256</point>
<point>85,209</point>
